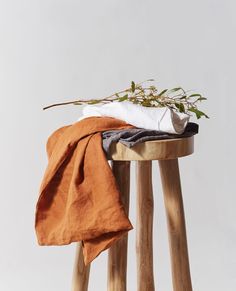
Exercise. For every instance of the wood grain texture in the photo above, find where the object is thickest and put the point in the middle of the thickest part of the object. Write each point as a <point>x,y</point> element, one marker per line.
<point>152,150</point>
<point>170,177</point>
<point>81,272</point>
<point>117,253</point>
<point>144,226</point>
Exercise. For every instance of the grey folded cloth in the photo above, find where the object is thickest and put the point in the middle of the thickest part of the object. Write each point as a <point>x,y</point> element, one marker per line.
<point>132,136</point>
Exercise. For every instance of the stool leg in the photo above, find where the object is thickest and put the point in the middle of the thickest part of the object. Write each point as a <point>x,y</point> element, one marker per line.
<point>117,253</point>
<point>81,272</point>
<point>170,177</point>
<point>144,226</point>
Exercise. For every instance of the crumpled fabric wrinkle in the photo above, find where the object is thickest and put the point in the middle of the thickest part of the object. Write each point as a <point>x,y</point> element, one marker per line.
<point>78,198</point>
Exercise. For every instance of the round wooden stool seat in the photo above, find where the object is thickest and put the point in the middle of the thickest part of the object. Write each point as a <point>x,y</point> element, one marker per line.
<point>167,152</point>
<point>152,150</point>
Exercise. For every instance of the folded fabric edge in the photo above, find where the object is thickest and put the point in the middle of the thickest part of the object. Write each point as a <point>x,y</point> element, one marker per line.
<point>89,256</point>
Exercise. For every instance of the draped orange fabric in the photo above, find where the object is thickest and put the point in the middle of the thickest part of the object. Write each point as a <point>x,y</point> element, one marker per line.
<point>79,199</point>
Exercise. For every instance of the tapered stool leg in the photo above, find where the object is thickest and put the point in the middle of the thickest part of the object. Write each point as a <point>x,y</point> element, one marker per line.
<point>81,272</point>
<point>170,177</point>
<point>117,253</point>
<point>144,226</point>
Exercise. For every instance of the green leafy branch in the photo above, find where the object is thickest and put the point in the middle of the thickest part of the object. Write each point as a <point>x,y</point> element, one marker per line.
<point>176,99</point>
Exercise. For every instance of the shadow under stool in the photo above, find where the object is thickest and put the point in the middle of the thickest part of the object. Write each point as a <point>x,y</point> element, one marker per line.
<point>167,152</point>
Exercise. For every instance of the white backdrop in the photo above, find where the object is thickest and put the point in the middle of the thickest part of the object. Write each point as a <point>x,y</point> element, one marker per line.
<point>58,50</point>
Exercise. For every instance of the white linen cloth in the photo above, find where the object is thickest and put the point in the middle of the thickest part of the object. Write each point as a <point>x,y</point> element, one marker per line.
<point>155,118</point>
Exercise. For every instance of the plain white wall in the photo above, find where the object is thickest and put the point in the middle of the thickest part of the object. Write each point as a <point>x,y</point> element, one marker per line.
<point>59,50</point>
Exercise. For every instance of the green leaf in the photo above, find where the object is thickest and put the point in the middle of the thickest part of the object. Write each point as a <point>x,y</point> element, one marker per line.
<point>163,92</point>
<point>132,86</point>
<point>195,95</point>
<point>183,97</point>
<point>176,89</point>
<point>201,98</point>
<point>198,113</point>
<point>146,103</point>
<point>180,106</point>
<point>123,98</point>
<point>182,109</point>
<point>94,101</point>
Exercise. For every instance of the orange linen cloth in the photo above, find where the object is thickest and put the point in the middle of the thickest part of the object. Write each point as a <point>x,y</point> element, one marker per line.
<point>79,199</point>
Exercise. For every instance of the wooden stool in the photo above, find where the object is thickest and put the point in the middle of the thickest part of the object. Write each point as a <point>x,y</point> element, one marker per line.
<point>167,153</point>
